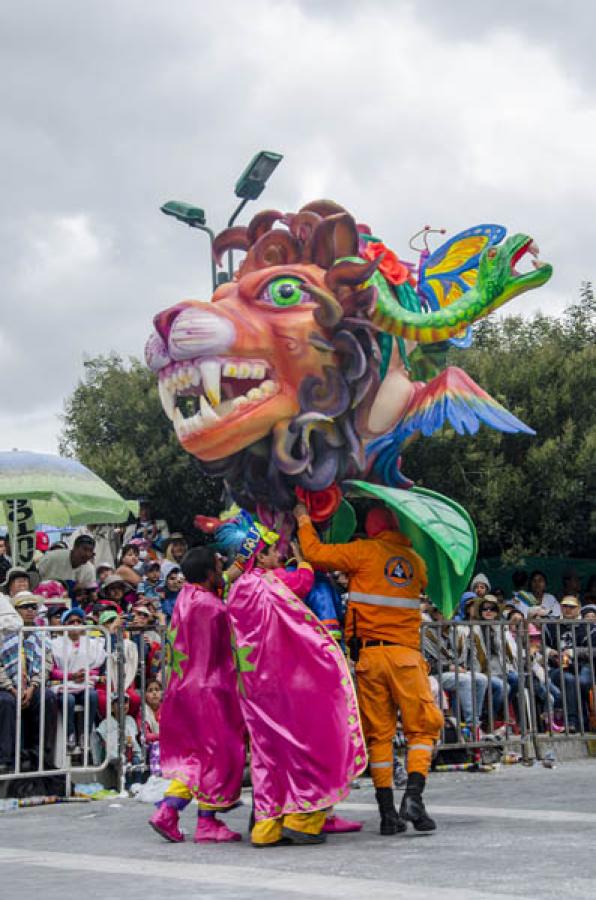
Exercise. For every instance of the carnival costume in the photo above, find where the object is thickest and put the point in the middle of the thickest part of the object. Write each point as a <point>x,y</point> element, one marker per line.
<point>297,700</point>
<point>202,732</point>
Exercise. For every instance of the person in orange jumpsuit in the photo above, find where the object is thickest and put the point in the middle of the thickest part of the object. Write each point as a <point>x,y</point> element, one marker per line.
<point>386,577</point>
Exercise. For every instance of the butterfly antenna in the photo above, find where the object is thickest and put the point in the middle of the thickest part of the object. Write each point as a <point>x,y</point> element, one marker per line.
<point>425,233</point>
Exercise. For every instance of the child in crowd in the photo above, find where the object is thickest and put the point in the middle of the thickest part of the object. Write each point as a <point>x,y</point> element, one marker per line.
<point>173,583</point>
<point>108,732</point>
<point>152,712</point>
<point>152,587</point>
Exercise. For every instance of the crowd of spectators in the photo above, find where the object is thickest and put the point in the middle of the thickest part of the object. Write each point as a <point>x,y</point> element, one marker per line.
<point>494,643</point>
<point>72,590</point>
<point>105,580</point>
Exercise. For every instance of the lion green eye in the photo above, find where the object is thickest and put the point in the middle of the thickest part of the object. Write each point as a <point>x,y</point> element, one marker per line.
<point>285,291</point>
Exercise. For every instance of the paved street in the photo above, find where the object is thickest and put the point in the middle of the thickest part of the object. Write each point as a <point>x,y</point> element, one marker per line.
<point>519,832</point>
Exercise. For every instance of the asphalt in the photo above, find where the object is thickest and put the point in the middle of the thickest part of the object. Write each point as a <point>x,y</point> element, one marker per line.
<point>516,832</point>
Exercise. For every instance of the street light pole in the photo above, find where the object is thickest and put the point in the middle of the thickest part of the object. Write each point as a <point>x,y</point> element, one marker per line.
<point>249,186</point>
<point>194,217</point>
<point>231,221</point>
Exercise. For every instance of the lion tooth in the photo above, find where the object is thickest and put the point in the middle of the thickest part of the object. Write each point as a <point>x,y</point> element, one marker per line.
<point>208,414</point>
<point>178,421</point>
<point>195,376</point>
<point>268,387</point>
<point>258,371</point>
<point>167,399</point>
<point>244,370</point>
<point>211,376</point>
<point>240,401</point>
<point>230,370</point>
<point>254,394</point>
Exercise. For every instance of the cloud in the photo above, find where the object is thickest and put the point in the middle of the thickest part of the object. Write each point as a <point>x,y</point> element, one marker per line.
<point>406,117</point>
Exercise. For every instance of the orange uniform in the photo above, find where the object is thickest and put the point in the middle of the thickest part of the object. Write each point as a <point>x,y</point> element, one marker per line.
<point>386,577</point>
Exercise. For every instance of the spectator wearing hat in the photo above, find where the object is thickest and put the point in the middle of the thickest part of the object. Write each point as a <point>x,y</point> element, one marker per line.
<point>480,585</point>
<point>114,592</point>
<point>78,659</point>
<point>465,606</point>
<point>569,649</point>
<point>176,548</point>
<point>17,580</point>
<point>589,612</point>
<point>74,567</point>
<point>25,659</point>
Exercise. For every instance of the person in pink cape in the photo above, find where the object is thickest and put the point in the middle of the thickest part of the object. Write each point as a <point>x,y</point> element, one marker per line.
<point>296,697</point>
<point>202,733</point>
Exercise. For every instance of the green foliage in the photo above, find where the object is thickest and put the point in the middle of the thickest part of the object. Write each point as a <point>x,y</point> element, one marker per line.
<point>527,495</point>
<point>115,425</point>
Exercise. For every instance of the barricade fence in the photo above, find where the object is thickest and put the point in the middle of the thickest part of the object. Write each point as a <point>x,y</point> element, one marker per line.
<point>72,698</point>
<point>501,684</point>
<point>49,683</point>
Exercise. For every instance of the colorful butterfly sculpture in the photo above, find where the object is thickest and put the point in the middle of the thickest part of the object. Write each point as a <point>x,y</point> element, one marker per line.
<point>446,273</point>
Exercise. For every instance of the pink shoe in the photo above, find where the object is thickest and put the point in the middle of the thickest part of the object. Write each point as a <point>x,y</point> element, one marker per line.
<point>165,821</point>
<point>337,825</point>
<point>210,830</point>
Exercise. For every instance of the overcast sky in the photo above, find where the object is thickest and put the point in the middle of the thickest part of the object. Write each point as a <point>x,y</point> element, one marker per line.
<point>409,113</point>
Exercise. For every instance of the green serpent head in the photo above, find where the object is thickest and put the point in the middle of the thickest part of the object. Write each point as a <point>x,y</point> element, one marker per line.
<point>499,281</point>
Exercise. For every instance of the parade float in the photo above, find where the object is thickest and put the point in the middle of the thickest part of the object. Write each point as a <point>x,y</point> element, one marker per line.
<point>305,374</point>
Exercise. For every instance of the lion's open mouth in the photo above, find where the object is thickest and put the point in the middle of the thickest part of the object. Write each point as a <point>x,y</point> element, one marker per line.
<point>197,394</point>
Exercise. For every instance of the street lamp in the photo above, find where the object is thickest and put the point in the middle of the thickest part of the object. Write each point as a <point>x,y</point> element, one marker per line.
<point>251,185</point>
<point>194,217</point>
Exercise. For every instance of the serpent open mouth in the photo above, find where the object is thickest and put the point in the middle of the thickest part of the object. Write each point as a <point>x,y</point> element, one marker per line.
<point>529,247</point>
<point>199,394</point>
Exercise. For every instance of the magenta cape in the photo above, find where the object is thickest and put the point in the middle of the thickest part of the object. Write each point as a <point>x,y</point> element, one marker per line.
<point>297,698</point>
<point>202,733</point>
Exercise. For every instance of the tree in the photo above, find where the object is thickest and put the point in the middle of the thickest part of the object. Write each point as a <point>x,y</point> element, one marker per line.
<point>115,425</point>
<point>527,495</point>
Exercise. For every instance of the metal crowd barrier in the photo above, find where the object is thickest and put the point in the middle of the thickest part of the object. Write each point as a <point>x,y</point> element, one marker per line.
<point>53,698</point>
<point>539,689</point>
<point>535,689</point>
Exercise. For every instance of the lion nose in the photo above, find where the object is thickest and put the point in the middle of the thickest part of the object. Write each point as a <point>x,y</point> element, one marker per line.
<point>195,330</point>
<point>163,320</point>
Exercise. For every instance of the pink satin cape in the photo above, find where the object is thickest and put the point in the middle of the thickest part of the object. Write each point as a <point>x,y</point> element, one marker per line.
<point>202,733</point>
<point>297,698</point>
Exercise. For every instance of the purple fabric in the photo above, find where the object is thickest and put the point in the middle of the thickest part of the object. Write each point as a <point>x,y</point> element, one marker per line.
<point>297,698</point>
<point>178,803</point>
<point>201,730</point>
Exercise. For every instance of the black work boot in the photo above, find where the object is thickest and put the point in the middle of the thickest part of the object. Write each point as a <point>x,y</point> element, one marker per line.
<point>412,808</point>
<point>390,820</point>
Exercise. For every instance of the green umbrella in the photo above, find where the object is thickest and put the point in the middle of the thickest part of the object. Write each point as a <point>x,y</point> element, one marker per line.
<point>441,532</point>
<point>53,490</point>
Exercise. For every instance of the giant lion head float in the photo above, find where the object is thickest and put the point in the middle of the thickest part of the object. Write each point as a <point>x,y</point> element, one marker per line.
<point>285,376</point>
